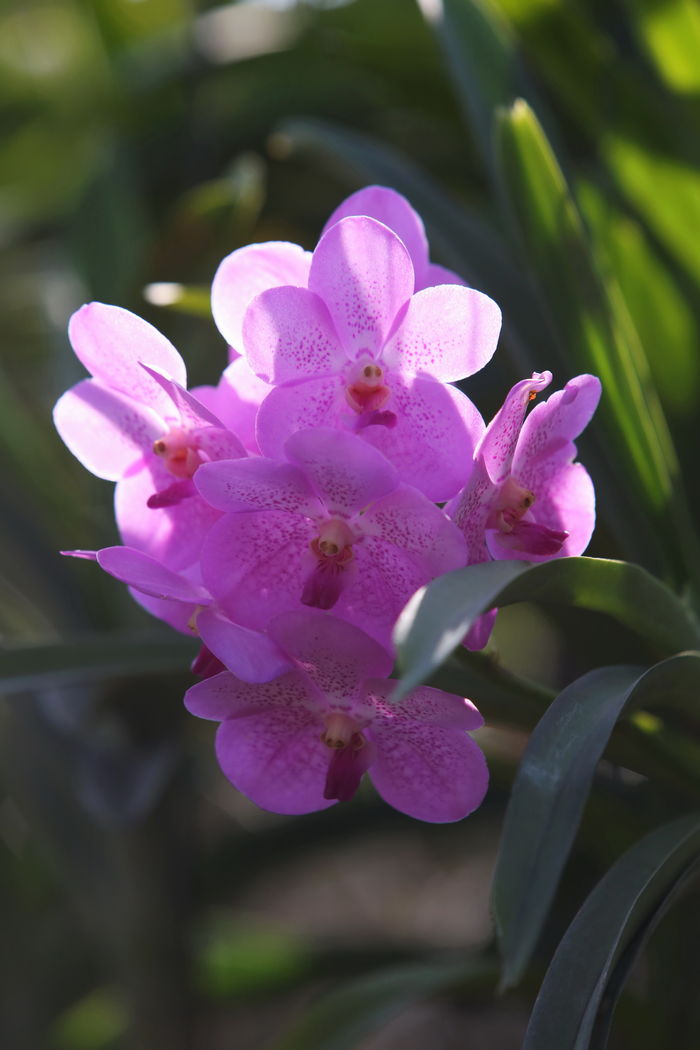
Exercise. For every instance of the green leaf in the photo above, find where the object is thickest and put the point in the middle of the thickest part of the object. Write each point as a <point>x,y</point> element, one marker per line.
<point>670,32</point>
<point>552,786</point>
<point>594,332</point>
<point>345,1016</point>
<point>438,616</point>
<point>661,314</point>
<point>90,659</point>
<point>185,299</point>
<point>573,1008</point>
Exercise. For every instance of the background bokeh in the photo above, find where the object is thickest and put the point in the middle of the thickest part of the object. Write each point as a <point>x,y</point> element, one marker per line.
<point>143,903</point>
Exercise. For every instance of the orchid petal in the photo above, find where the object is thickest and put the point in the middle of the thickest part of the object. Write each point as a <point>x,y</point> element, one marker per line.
<point>250,655</point>
<point>192,412</point>
<point>448,332</point>
<point>393,210</point>
<point>276,759</point>
<point>225,696</point>
<point>550,429</point>
<point>436,274</point>
<point>112,343</point>
<point>345,471</point>
<point>257,484</point>
<point>335,655</point>
<point>298,406</point>
<point>255,564</point>
<point>237,399</point>
<point>106,431</point>
<point>433,441</point>
<point>409,520</point>
<point>363,273</point>
<point>497,446</point>
<point>248,271</point>
<point>288,334</point>
<point>428,772</point>
<point>150,576</point>
<point>424,705</point>
<point>172,535</point>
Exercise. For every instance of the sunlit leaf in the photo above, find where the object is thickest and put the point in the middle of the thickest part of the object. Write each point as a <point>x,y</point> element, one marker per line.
<point>670,32</point>
<point>438,616</point>
<point>552,786</point>
<point>574,1008</point>
<point>594,330</point>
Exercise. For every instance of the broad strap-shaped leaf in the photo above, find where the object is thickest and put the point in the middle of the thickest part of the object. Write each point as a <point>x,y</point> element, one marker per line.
<point>552,786</point>
<point>594,333</point>
<point>90,659</point>
<point>344,1017</point>
<point>573,1008</point>
<point>438,616</point>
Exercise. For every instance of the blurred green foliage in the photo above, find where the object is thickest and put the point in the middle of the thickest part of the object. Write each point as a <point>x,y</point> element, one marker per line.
<point>142,904</point>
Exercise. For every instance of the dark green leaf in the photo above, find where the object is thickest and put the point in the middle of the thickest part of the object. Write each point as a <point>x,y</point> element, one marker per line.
<point>438,616</point>
<point>592,960</point>
<point>89,660</point>
<point>552,785</point>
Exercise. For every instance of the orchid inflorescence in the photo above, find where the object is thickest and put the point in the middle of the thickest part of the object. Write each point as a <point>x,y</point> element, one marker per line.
<point>286,516</point>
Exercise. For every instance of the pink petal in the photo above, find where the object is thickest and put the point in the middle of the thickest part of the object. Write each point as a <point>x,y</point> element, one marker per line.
<point>424,705</point>
<point>384,579</point>
<point>172,535</point>
<point>298,406</point>
<point>288,334</point>
<point>335,655</point>
<point>225,696</point>
<point>176,614</point>
<point>106,431</point>
<point>344,471</point>
<point>191,411</point>
<point>364,275</point>
<point>436,274</point>
<point>255,564</point>
<point>470,510</point>
<point>528,539</point>
<point>428,772</point>
<point>251,655</point>
<point>447,332</point>
<point>550,429</point>
<point>408,520</point>
<point>394,211</point>
<point>248,271</point>
<point>564,501</point>
<point>112,342</point>
<point>480,631</point>
<point>256,484</point>
<point>238,396</point>
<point>146,574</point>
<point>276,759</point>
<point>217,443</point>
<point>497,446</point>
<point>433,441</point>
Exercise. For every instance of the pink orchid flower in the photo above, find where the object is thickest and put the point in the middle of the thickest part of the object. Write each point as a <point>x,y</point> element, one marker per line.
<point>301,742</point>
<point>180,599</point>
<point>331,527</point>
<point>348,344</point>
<point>526,498</point>
<point>135,423</point>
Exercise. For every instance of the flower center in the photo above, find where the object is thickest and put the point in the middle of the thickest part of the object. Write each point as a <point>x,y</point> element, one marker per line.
<point>366,390</point>
<point>178,451</point>
<point>509,506</point>
<point>350,756</point>
<point>332,549</point>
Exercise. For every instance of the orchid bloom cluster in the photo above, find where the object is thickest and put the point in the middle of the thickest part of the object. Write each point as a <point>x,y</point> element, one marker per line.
<point>286,516</point>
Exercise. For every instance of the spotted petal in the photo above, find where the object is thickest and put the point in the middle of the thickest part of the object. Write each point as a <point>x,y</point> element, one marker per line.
<point>288,334</point>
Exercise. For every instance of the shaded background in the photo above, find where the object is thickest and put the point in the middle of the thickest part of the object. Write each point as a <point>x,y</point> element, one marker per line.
<point>143,903</point>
